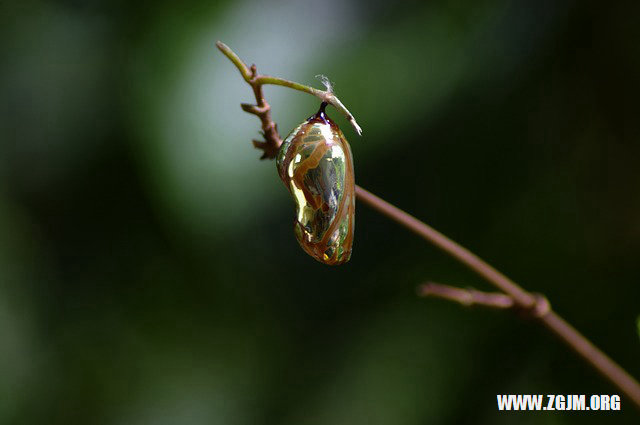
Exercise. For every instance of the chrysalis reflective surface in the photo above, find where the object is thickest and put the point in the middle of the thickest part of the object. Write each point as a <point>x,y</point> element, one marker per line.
<point>316,165</point>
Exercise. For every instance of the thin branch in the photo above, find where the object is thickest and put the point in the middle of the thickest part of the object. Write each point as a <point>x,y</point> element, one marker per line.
<point>521,299</point>
<point>442,242</point>
<point>470,297</point>
<point>525,300</point>
<point>467,297</point>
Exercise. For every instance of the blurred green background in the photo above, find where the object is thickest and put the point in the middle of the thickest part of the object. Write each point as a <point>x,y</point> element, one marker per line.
<point>148,269</point>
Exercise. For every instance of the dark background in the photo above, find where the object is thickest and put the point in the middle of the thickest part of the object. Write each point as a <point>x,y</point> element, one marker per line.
<point>148,268</point>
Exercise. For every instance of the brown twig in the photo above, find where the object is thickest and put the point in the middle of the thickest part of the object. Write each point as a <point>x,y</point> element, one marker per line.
<point>466,297</point>
<point>513,295</point>
<point>470,297</point>
<point>568,334</point>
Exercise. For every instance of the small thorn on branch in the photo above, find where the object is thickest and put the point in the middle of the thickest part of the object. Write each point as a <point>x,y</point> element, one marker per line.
<point>258,144</point>
<point>255,109</point>
<point>268,151</point>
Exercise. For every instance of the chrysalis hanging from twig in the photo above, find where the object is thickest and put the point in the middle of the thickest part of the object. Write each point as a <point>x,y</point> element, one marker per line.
<point>316,165</point>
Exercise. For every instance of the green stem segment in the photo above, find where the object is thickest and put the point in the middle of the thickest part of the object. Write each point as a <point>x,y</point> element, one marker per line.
<point>324,95</point>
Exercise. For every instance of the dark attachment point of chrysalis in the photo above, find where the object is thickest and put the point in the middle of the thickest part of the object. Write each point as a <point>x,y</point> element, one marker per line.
<point>321,115</point>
